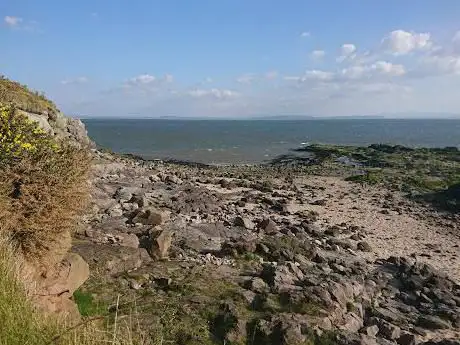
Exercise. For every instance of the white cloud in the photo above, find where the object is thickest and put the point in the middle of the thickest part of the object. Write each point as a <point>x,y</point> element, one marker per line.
<point>439,65</point>
<point>317,75</point>
<point>215,93</point>
<point>305,34</point>
<point>270,75</point>
<point>168,78</point>
<point>317,54</point>
<point>12,21</point>
<point>354,72</point>
<point>208,80</point>
<point>148,79</point>
<point>401,42</point>
<point>368,73</point>
<point>143,79</point>
<point>456,37</point>
<point>348,49</point>
<point>78,80</point>
<point>389,68</point>
<point>380,68</point>
<point>347,52</point>
<point>292,78</point>
<point>246,78</point>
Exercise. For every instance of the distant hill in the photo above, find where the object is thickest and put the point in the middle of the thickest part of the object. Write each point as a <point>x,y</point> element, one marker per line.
<point>362,117</point>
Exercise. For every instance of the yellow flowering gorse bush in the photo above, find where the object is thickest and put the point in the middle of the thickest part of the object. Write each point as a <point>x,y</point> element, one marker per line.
<point>43,186</point>
<point>21,136</point>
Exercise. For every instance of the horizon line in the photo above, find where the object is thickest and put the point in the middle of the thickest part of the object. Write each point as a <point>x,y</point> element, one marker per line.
<point>274,118</point>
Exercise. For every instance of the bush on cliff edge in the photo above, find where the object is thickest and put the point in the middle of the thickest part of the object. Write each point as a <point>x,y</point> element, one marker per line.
<point>42,190</point>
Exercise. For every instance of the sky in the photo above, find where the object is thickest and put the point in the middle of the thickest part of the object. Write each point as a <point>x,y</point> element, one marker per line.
<point>236,58</point>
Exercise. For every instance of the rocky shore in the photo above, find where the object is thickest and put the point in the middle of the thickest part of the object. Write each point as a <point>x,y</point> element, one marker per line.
<point>265,255</point>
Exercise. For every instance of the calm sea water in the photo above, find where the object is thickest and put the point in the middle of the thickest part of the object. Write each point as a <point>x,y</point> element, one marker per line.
<point>236,141</point>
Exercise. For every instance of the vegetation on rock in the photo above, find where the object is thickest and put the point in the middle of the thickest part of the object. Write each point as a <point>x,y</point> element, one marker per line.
<point>43,187</point>
<point>429,174</point>
<point>42,191</point>
<point>22,324</point>
<point>19,95</point>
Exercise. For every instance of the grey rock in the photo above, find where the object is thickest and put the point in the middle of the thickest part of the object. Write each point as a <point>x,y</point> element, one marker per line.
<point>324,323</point>
<point>62,127</point>
<point>140,200</point>
<point>125,193</point>
<point>388,314</point>
<point>342,243</point>
<point>389,331</point>
<point>442,342</point>
<point>160,243</point>
<point>407,339</point>
<point>173,179</point>
<point>244,222</point>
<point>248,296</point>
<point>432,322</point>
<point>313,229</point>
<point>134,284</point>
<point>115,211</point>
<point>337,291</point>
<point>110,259</point>
<point>128,240</point>
<point>262,248</point>
<point>269,226</point>
<point>371,331</point>
<point>364,246</point>
<point>367,340</point>
<point>41,120</point>
<point>129,207</point>
<point>352,322</point>
<point>279,277</point>
<point>258,285</point>
<point>151,216</point>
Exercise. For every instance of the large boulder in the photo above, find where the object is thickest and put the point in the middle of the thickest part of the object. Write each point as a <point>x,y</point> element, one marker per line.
<point>53,293</point>
<point>151,216</point>
<point>110,259</point>
<point>160,243</point>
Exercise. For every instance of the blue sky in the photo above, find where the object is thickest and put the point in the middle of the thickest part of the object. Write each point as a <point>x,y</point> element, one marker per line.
<point>236,58</point>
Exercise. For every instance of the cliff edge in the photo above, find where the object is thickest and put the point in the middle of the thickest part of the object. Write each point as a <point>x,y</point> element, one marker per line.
<point>43,111</point>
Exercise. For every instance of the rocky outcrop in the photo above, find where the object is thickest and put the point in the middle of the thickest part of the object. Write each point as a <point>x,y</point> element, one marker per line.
<point>61,126</point>
<point>52,285</point>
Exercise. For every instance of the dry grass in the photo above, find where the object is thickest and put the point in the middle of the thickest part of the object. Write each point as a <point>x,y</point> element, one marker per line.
<point>40,198</point>
<point>44,187</point>
<point>12,92</point>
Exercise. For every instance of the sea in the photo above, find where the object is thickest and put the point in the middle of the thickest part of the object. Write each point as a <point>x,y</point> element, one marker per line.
<point>258,141</point>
